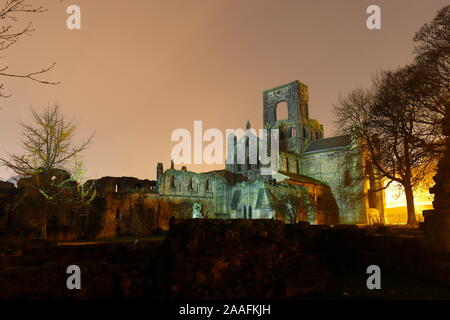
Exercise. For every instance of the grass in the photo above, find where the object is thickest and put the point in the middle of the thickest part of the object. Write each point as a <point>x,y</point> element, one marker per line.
<point>125,239</point>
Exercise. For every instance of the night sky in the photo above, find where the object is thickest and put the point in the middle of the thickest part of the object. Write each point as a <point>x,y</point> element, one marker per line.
<point>139,69</point>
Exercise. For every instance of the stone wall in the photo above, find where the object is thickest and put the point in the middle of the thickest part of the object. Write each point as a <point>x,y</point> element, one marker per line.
<point>7,193</point>
<point>342,172</point>
<point>107,185</point>
<point>233,259</point>
<point>437,221</point>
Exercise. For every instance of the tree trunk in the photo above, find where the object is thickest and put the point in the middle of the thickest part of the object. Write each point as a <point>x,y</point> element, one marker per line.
<point>410,205</point>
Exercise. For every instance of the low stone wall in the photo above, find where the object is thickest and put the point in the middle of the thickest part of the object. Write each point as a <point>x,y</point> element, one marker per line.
<point>226,259</point>
<point>236,259</point>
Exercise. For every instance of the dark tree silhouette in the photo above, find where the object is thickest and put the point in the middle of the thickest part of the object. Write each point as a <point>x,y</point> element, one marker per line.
<point>11,32</point>
<point>398,119</point>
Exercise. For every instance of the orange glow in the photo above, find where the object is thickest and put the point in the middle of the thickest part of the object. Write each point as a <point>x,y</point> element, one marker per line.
<point>396,212</point>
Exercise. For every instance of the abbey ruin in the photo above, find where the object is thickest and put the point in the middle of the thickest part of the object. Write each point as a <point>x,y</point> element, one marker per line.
<point>321,177</point>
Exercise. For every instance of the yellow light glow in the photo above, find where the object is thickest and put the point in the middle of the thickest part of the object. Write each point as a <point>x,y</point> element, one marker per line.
<point>396,212</point>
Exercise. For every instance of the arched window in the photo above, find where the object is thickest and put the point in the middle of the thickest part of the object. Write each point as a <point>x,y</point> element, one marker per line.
<point>190,185</point>
<point>293,132</point>
<point>235,148</point>
<point>116,188</point>
<point>347,178</point>
<point>247,153</point>
<point>207,185</point>
<point>282,111</point>
<point>250,212</point>
<point>172,182</point>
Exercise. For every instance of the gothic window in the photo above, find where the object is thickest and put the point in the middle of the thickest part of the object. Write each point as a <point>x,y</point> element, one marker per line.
<point>235,150</point>
<point>172,182</point>
<point>116,188</point>
<point>207,186</point>
<point>190,185</point>
<point>282,111</point>
<point>293,132</point>
<point>245,212</point>
<point>247,152</point>
<point>347,178</point>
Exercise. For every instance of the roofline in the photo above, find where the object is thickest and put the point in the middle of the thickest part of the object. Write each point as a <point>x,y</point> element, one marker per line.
<point>281,86</point>
<point>329,149</point>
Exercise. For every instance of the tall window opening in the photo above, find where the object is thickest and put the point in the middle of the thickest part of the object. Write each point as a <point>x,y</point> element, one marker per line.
<point>293,132</point>
<point>347,178</point>
<point>172,182</point>
<point>282,111</point>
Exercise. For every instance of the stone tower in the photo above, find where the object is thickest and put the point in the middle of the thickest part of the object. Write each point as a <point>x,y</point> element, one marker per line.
<point>159,170</point>
<point>297,131</point>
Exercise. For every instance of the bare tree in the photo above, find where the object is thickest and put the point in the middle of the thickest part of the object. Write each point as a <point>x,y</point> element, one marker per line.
<point>51,160</point>
<point>292,205</point>
<point>433,61</point>
<point>185,208</point>
<point>398,119</point>
<point>387,120</point>
<point>11,33</point>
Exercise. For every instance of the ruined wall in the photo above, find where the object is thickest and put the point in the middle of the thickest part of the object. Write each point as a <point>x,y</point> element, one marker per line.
<point>323,206</point>
<point>7,194</point>
<point>250,200</point>
<point>289,162</point>
<point>107,185</point>
<point>297,131</point>
<point>437,221</point>
<point>329,167</point>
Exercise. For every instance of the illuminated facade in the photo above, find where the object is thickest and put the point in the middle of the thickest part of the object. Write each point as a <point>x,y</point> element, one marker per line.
<point>326,167</point>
